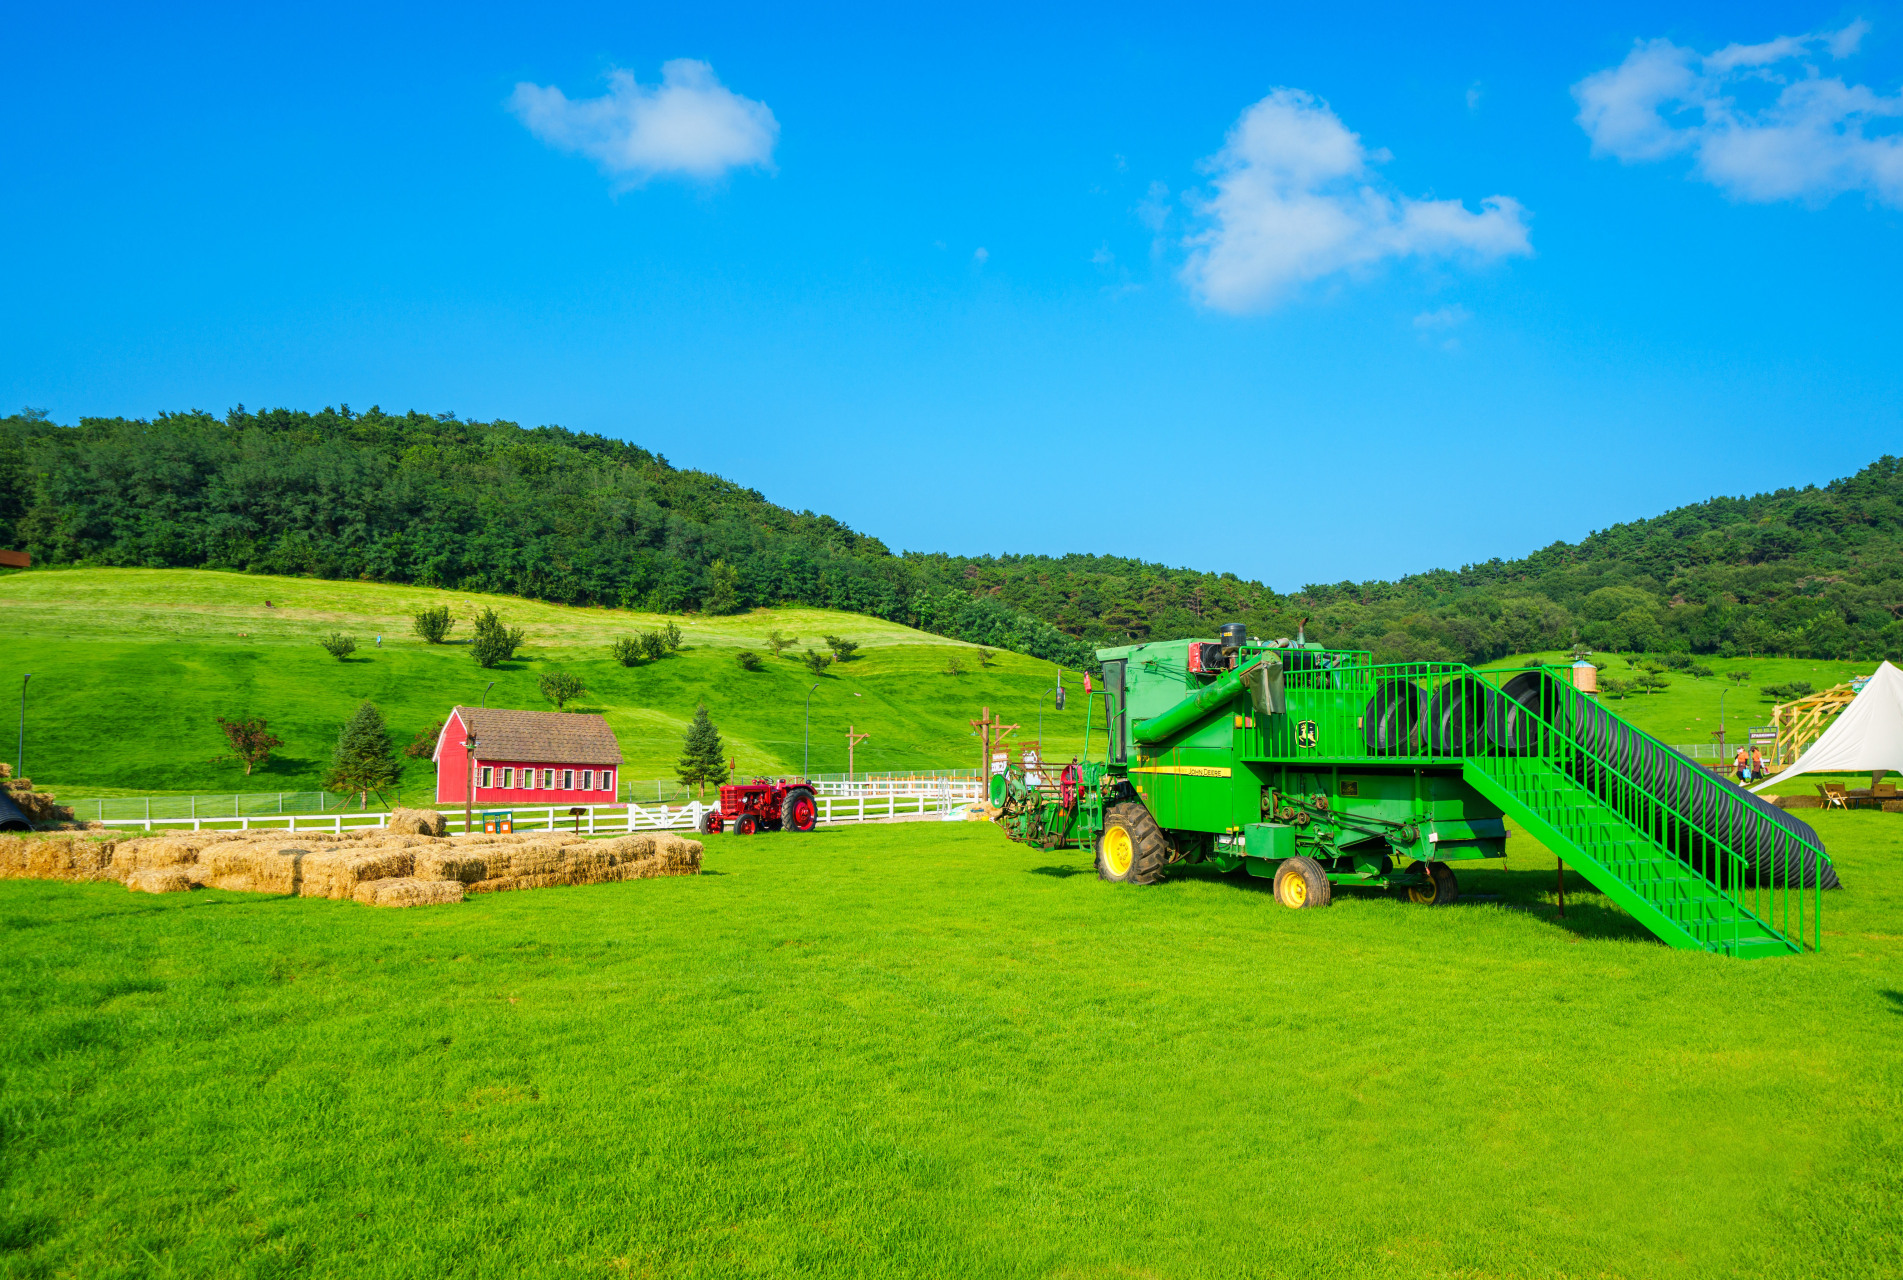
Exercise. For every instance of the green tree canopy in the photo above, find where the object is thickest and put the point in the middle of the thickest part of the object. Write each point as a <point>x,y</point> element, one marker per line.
<point>363,760</point>
<point>703,756</point>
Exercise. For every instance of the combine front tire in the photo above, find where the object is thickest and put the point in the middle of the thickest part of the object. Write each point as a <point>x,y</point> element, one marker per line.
<point>1441,887</point>
<point>1131,849</point>
<point>799,813</point>
<point>1301,882</point>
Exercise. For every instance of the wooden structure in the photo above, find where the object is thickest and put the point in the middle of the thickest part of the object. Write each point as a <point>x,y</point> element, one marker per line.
<point>992,732</point>
<point>1802,721</point>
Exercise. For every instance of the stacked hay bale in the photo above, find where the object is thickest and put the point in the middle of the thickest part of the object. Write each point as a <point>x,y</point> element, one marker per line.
<point>39,807</point>
<point>388,867</point>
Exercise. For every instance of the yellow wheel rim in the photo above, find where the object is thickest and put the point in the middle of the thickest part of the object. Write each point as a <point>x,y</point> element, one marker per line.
<point>1118,852</point>
<point>1294,890</point>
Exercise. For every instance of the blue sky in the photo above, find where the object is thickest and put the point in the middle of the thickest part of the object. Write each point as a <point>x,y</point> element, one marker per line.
<point>1303,296</point>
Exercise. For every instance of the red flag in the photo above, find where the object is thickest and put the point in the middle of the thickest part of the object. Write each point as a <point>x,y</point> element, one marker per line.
<point>1086,682</point>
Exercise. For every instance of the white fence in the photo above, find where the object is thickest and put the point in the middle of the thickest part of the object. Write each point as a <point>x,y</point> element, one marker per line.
<point>872,800</point>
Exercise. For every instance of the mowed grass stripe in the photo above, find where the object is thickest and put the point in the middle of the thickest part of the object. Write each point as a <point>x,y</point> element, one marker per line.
<point>920,1050</point>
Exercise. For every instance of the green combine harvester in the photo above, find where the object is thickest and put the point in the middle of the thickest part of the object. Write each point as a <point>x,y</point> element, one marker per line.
<point>1322,770</point>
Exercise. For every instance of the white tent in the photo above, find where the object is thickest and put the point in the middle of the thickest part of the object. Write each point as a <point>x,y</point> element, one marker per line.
<point>1867,734</point>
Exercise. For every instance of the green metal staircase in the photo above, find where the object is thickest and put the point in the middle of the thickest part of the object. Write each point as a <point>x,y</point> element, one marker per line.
<point>1673,899</point>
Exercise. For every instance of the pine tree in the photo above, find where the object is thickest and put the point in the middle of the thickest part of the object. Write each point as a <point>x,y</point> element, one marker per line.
<point>363,760</point>
<point>703,758</point>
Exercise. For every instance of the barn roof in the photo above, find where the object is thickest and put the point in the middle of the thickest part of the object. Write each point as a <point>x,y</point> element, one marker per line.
<point>540,737</point>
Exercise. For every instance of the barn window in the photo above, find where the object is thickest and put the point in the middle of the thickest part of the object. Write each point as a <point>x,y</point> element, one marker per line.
<point>508,779</point>
<point>607,780</point>
<point>568,779</point>
<point>587,779</point>
<point>528,779</point>
<point>548,779</point>
<point>486,773</point>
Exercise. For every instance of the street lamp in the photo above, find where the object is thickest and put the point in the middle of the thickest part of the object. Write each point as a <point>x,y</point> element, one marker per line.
<point>806,759</point>
<point>19,763</point>
<point>470,743</point>
<point>485,693</point>
<point>1057,705</point>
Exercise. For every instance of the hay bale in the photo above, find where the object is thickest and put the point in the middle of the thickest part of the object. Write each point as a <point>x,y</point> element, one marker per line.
<point>1893,806</point>
<point>448,864</point>
<point>159,880</point>
<point>418,822</point>
<point>29,857</point>
<point>149,853</point>
<point>407,891</point>
<point>1796,802</point>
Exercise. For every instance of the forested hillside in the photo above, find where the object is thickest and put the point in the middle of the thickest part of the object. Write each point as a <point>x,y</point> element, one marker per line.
<point>583,519</point>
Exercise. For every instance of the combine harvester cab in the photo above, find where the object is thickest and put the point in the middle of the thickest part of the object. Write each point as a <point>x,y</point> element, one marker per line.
<point>1321,770</point>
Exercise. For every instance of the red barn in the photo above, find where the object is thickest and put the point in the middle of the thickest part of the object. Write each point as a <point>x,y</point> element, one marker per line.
<point>527,758</point>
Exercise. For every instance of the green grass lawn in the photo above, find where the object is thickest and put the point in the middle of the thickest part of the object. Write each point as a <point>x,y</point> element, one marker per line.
<point>922,1051</point>
<point>130,667</point>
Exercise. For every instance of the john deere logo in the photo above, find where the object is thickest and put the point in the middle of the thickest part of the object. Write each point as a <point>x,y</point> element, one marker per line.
<point>1306,734</point>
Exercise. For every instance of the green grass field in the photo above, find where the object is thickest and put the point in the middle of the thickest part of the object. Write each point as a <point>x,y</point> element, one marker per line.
<point>922,1051</point>
<point>130,667</point>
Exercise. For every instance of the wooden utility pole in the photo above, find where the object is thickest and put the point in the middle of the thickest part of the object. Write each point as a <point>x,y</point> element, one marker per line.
<point>852,741</point>
<point>991,731</point>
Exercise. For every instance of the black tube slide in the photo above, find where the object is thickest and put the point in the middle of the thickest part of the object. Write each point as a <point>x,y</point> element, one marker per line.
<point>1782,848</point>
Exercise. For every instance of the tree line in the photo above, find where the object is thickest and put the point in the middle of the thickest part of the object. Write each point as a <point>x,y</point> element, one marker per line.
<point>583,519</point>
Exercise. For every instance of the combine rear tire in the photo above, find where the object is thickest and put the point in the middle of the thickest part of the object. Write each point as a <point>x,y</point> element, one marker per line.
<point>798,812</point>
<point>1131,848</point>
<point>709,824</point>
<point>1301,882</point>
<point>1441,887</point>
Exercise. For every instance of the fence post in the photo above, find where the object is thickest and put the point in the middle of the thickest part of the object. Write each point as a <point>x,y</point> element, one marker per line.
<point>148,813</point>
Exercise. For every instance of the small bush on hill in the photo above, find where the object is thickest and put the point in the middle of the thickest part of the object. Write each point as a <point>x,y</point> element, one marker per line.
<point>338,646</point>
<point>434,624</point>
<point>779,643</point>
<point>748,660</point>
<point>1786,692</point>
<point>954,667</point>
<point>843,649</point>
<point>626,651</point>
<point>494,643</point>
<point>561,688</point>
<point>672,634</point>
<point>251,742</point>
<point>816,662</point>
<point>653,645</point>
<point>425,744</point>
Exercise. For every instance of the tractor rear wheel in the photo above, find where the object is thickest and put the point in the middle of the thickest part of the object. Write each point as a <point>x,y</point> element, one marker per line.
<point>745,825</point>
<point>1441,887</point>
<point>709,824</point>
<point>798,812</point>
<point>1301,882</point>
<point>1131,848</point>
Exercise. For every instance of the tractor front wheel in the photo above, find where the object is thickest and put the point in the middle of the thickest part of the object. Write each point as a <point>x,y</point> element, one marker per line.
<point>1441,887</point>
<point>1301,882</point>
<point>745,825</point>
<point>799,812</point>
<point>1131,848</point>
<point>709,824</point>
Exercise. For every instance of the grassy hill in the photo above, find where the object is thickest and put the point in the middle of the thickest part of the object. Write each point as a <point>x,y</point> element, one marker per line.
<point>131,665</point>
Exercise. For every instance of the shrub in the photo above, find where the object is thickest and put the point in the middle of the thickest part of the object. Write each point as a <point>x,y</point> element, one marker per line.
<point>954,667</point>
<point>251,742</point>
<point>1739,676</point>
<point>1613,687</point>
<point>1786,692</point>
<point>338,646</point>
<point>561,688</point>
<point>1676,661</point>
<point>1697,672</point>
<point>425,744</point>
<point>816,662</point>
<point>434,624</point>
<point>779,643</point>
<point>626,651</point>
<point>653,645</point>
<point>748,660</point>
<point>672,634</point>
<point>842,649</point>
<point>985,656</point>
<point>494,643</point>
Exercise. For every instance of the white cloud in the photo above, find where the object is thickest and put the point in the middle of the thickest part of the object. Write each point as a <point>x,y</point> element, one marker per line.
<point>1761,122</point>
<point>981,255</point>
<point>1443,318</point>
<point>1295,200</point>
<point>688,124</point>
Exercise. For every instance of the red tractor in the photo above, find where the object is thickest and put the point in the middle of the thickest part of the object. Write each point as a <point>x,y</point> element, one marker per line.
<point>762,805</point>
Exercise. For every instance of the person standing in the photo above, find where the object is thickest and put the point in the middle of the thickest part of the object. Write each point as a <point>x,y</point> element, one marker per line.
<point>1757,763</point>
<point>1741,765</point>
